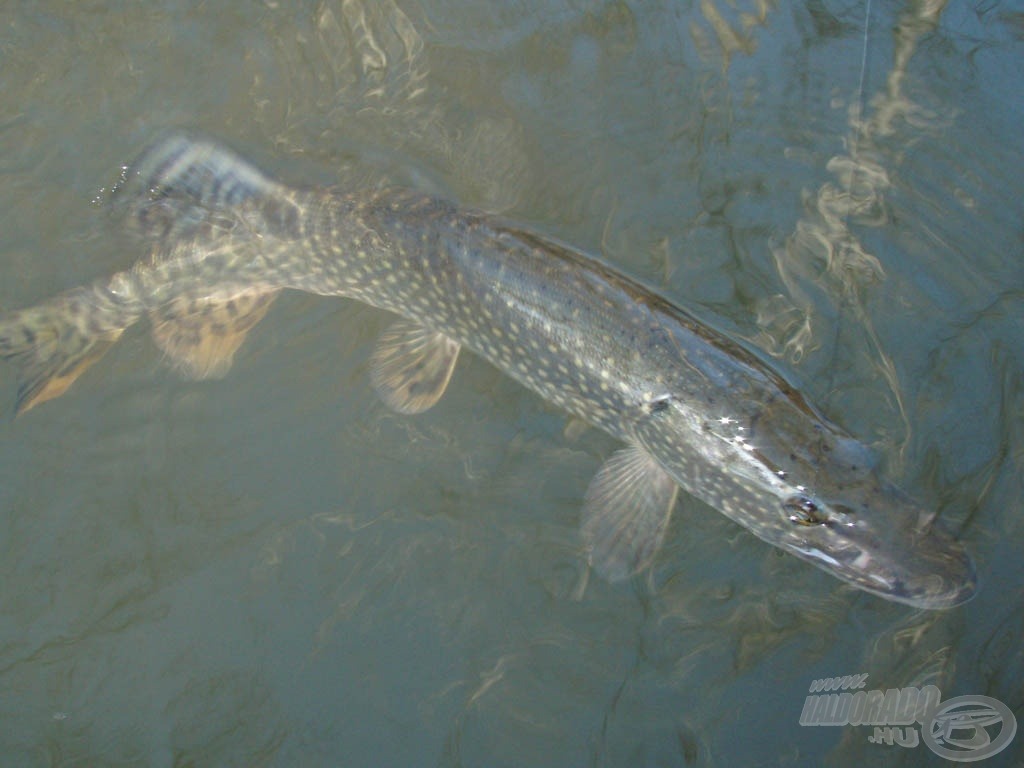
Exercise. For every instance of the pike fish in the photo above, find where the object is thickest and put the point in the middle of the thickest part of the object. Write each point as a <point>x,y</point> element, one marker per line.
<point>693,408</point>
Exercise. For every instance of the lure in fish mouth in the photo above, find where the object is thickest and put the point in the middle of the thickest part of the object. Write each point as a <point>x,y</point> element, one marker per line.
<point>695,409</point>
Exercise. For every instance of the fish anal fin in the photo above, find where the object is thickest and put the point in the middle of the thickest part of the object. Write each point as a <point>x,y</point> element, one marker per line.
<point>626,512</point>
<point>411,366</point>
<point>200,336</point>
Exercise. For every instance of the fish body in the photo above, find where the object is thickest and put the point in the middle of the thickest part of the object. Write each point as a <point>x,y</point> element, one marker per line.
<point>694,409</point>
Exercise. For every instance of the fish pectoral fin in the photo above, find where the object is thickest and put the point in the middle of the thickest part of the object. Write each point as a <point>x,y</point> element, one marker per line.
<point>201,336</point>
<point>626,512</point>
<point>412,365</point>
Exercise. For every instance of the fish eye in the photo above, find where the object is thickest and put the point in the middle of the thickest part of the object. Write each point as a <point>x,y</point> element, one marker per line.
<point>803,511</point>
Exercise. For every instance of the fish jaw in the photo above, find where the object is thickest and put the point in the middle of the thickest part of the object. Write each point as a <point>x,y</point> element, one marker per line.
<point>920,565</point>
<point>825,505</point>
<point>872,539</point>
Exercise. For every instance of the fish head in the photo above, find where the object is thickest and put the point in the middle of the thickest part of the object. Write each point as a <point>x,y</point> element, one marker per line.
<point>802,485</point>
<point>878,539</point>
<point>841,514</point>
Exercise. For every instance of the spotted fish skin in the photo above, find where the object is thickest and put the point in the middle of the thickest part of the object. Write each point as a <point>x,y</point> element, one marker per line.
<point>695,409</point>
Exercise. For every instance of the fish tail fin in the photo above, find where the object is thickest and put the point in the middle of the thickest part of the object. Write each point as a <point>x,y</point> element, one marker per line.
<point>184,194</point>
<point>52,345</point>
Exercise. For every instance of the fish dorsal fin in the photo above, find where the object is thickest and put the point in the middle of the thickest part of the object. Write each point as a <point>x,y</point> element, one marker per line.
<point>626,512</point>
<point>412,366</point>
<point>205,172</point>
<point>184,184</point>
<point>201,336</point>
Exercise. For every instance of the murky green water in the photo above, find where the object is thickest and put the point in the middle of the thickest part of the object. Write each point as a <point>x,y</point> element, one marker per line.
<point>274,570</point>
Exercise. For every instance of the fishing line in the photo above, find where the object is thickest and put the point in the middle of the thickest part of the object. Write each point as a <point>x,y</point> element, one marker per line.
<point>861,109</point>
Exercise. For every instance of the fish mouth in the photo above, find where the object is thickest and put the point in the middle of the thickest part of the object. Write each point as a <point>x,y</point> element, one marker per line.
<point>931,571</point>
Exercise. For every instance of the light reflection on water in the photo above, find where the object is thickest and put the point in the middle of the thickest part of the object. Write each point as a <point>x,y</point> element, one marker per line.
<point>274,570</point>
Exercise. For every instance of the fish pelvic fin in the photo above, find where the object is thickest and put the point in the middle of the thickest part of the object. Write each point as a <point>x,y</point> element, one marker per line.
<point>412,366</point>
<point>52,344</point>
<point>200,336</point>
<point>626,513</point>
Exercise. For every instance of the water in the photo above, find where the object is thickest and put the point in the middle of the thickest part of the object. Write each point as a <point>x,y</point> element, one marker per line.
<point>274,570</point>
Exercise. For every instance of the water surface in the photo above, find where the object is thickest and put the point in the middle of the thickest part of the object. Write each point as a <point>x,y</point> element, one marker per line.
<point>272,569</point>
